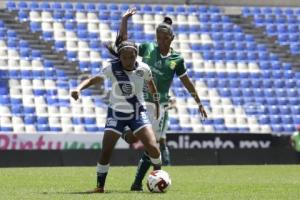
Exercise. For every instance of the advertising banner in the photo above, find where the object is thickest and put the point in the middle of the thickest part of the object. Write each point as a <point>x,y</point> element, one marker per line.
<point>52,141</point>
<point>227,141</point>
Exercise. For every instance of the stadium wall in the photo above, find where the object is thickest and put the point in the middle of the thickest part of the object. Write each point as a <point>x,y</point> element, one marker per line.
<point>186,149</point>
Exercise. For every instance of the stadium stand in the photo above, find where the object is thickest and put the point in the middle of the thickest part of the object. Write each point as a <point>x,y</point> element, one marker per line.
<point>245,87</point>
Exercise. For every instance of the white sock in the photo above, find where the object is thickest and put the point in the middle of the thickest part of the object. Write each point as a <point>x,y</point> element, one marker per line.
<point>156,161</point>
<point>102,168</point>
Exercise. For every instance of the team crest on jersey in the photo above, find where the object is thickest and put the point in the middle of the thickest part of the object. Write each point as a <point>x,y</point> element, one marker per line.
<point>172,65</point>
<point>127,89</point>
<point>158,64</point>
<point>139,73</point>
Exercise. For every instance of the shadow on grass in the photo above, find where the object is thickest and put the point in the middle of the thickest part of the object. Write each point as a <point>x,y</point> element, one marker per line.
<point>91,192</point>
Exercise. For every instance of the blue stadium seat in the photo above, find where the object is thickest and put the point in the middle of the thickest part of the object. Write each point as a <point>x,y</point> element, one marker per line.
<point>25,54</point>
<point>4,100</point>
<point>102,7</point>
<point>23,16</point>
<point>22,5</point>
<point>147,8</point>
<point>90,7</point>
<point>35,26</point>
<point>289,128</point>
<point>33,6</point>
<point>29,110</point>
<point>158,9</point>
<point>180,9</point>
<point>56,6</point>
<point>220,128</point>
<point>169,9</point>
<point>91,129</point>
<point>16,101</point>
<point>267,10</point>
<point>10,5</point>
<point>272,101</point>
<point>113,7</point>
<point>42,120</point>
<point>55,129</point>
<point>51,100</point>
<point>69,16</point>
<point>17,109</point>
<point>68,6</point>
<point>123,7</point>
<point>296,119</point>
<point>213,9</point>
<point>6,129</point>
<point>42,128</point>
<point>58,15</point>
<point>278,11</point>
<point>236,92</point>
<point>277,128</point>
<point>72,55</point>
<point>80,7</point>
<point>45,6</point>
<point>48,36</point>
<point>264,119</point>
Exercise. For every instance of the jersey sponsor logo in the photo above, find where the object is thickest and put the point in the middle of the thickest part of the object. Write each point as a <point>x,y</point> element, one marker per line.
<point>118,73</point>
<point>111,122</point>
<point>172,65</point>
<point>139,73</point>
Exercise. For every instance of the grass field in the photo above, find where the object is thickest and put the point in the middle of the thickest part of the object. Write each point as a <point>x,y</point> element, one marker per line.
<point>190,182</point>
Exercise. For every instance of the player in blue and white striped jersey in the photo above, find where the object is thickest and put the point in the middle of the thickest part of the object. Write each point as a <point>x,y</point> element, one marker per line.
<point>126,105</point>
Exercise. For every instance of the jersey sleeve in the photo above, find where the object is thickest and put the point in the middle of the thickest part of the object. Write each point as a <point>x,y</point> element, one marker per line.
<point>106,71</point>
<point>145,49</point>
<point>147,73</point>
<point>180,69</point>
<point>142,49</point>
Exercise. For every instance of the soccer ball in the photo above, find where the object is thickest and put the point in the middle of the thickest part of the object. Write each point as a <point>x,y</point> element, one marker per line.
<point>158,181</point>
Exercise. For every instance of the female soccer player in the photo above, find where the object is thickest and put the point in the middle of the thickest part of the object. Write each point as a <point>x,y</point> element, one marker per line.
<point>164,62</point>
<point>127,106</point>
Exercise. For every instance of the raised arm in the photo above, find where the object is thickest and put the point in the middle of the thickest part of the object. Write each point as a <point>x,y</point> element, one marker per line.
<point>85,84</point>
<point>123,26</point>
<point>191,88</point>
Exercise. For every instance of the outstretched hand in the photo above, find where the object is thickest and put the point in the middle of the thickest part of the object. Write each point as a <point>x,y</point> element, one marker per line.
<point>129,12</point>
<point>75,94</point>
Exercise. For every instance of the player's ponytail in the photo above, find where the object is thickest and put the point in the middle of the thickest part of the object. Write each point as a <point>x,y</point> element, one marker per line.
<point>112,48</point>
<point>168,20</point>
<point>166,26</point>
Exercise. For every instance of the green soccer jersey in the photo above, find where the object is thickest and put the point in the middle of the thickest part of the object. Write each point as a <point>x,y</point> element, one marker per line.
<point>163,68</point>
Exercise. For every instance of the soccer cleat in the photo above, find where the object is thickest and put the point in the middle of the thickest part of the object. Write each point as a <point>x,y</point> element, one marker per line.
<point>138,188</point>
<point>97,190</point>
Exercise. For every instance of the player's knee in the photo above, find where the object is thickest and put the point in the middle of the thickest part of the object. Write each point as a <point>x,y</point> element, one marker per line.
<point>129,137</point>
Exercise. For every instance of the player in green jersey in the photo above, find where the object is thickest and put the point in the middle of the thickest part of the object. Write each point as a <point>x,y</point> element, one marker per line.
<point>295,138</point>
<point>164,63</point>
<point>164,128</point>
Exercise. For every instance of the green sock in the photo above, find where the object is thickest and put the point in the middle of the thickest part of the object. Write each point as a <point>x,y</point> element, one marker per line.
<point>142,169</point>
<point>165,154</point>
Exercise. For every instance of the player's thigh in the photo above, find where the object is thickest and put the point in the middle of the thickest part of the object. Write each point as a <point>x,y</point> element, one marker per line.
<point>146,135</point>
